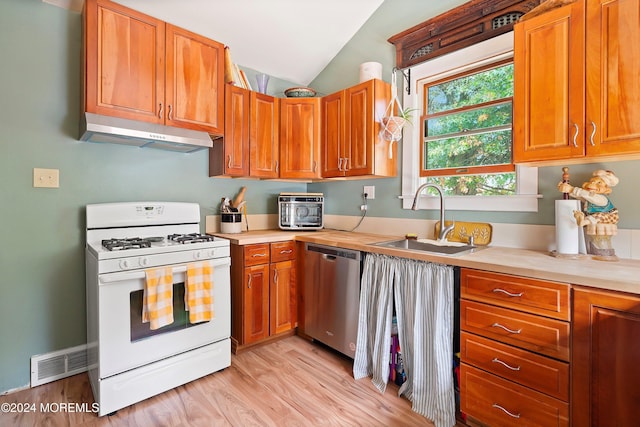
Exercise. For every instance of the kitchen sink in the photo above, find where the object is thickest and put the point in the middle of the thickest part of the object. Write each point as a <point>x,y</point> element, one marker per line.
<point>432,246</point>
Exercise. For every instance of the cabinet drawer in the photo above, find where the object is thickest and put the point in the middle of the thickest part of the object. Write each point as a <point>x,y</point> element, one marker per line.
<point>283,251</point>
<point>530,295</point>
<point>256,254</point>
<point>498,402</point>
<point>535,333</point>
<point>540,373</point>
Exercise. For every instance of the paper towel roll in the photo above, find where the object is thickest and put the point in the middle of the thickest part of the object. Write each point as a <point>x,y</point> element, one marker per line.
<point>568,233</point>
<point>370,70</point>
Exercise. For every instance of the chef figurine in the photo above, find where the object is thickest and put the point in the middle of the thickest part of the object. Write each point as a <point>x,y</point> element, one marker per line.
<point>598,216</point>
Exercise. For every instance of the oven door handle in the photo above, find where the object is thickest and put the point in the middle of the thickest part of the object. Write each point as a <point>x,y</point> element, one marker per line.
<point>139,274</point>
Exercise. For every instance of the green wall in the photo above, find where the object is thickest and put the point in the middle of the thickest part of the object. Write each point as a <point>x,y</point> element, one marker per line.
<point>42,302</point>
<point>370,44</point>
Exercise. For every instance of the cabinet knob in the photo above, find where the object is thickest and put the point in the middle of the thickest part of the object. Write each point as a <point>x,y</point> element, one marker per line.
<point>249,282</point>
<point>160,111</point>
<point>340,164</point>
<point>170,115</point>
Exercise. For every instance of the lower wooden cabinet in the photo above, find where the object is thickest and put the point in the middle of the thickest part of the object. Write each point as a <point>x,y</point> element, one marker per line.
<point>498,402</point>
<point>514,350</point>
<point>263,281</point>
<point>605,371</point>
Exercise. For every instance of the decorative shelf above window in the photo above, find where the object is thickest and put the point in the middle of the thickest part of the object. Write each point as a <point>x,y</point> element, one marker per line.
<point>467,24</point>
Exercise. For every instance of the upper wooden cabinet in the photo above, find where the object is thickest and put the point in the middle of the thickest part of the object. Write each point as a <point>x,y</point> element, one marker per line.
<point>576,85</point>
<point>230,155</point>
<point>264,141</point>
<point>140,68</point>
<point>300,138</point>
<point>250,146</point>
<point>351,140</point>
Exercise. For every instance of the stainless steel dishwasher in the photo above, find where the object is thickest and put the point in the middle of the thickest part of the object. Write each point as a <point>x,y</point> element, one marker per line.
<point>332,296</point>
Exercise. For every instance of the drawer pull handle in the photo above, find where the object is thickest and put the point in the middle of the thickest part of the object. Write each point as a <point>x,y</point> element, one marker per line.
<point>258,255</point>
<point>495,405</point>
<point>511,331</point>
<point>506,365</point>
<point>498,290</point>
<point>288,251</point>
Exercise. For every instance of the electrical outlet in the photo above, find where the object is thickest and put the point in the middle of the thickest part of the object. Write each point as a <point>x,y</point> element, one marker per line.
<point>371,191</point>
<point>48,178</point>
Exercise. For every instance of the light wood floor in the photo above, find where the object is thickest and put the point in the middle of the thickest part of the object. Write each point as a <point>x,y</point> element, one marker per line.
<point>292,382</point>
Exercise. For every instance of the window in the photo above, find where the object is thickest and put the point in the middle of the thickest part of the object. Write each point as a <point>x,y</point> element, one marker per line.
<point>467,132</point>
<point>463,139</point>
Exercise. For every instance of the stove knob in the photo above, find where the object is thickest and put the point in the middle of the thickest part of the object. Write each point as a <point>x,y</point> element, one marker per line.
<point>144,261</point>
<point>124,264</point>
<point>212,253</point>
<point>197,255</point>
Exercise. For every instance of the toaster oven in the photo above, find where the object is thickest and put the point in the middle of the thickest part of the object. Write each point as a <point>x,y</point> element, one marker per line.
<point>301,211</point>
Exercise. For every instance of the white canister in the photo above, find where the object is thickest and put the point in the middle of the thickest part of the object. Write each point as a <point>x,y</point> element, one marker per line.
<point>230,222</point>
<point>370,70</point>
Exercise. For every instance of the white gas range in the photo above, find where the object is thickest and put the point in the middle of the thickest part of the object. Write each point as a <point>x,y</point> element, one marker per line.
<point>129,361</point>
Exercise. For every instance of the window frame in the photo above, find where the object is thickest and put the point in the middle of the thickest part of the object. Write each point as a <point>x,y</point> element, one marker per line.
<point>491,51</point>
<point>464,170</point>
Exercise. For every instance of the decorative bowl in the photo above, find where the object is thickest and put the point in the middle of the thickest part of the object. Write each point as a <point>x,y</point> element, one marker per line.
<point>299,92</point>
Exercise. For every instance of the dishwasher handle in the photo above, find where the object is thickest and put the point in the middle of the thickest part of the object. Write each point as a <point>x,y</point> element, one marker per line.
<point>331,253</point>
<point>329,257</point>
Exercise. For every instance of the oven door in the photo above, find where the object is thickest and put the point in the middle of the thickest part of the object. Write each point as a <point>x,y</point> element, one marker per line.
<point>124,342</point>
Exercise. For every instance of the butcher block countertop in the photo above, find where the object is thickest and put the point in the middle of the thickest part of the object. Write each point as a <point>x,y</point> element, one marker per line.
<point>622,275</point>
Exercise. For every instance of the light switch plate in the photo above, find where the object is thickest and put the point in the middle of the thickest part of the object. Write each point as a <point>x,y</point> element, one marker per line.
<point>47,178</point>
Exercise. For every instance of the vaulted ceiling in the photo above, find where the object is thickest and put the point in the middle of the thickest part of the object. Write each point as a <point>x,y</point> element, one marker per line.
<point>293,40</point>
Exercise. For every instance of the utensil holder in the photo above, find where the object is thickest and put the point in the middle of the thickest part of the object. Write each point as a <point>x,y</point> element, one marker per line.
<point>230,222</point>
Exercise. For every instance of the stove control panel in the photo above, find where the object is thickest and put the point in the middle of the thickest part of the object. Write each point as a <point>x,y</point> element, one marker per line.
<point>149,211</point>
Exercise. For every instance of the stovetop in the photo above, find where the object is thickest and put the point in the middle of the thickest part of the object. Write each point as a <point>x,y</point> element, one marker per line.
<point>129,247</point>
<point>127,243</point>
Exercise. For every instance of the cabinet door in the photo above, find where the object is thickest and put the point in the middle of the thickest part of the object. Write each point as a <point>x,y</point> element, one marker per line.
<point>359,125</point>
<point>194,81</point>
<point>613,65</point>
<point>125,70</point>
<point>605,372</point>
<point>333,137</point>
<point>549,86</point>
<point>300,138</point>
<point>256,303</point>
<point>264,142</point>
<point>235,155</point>
<point>282,278</point>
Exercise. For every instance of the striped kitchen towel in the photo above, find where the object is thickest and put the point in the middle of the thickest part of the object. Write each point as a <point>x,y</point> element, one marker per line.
<point>198,296</point>
<point>157,303</point>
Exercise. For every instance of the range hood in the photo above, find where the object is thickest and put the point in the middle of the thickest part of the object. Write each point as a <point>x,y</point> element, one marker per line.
<point>99,128</point>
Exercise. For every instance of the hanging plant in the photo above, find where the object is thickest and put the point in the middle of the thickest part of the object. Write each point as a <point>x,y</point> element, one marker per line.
<point>395,116</point>
<point>394,124</point>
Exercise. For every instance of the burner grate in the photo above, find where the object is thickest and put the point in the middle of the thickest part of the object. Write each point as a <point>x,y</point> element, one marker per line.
<point>128,243</point>
<point>191,238</point>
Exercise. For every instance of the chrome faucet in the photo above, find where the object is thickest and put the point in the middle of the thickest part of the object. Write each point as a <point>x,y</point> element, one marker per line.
<point>443,230</point>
